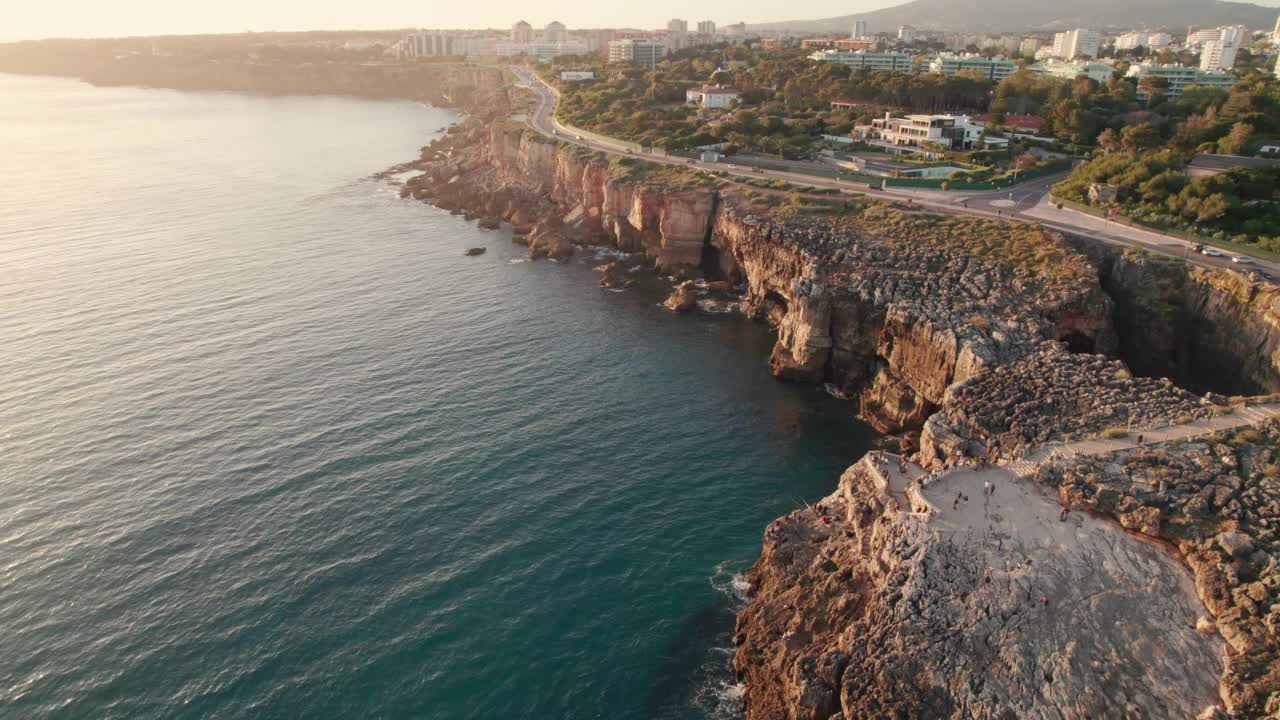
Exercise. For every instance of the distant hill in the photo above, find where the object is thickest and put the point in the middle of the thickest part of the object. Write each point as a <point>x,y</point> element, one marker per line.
<point>1026,15</point>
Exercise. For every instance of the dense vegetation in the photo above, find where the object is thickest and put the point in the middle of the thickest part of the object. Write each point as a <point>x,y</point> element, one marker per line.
<point>785,99</point>
<point>1146,158</point>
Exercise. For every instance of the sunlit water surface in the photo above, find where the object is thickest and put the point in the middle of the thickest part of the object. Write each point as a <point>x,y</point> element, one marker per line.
<point>271,447</point>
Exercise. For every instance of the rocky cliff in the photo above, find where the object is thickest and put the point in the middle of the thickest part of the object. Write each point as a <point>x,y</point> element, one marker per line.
<point>896,307</point>
<point>1206,329</point>
<point>870,605</point>
<point>990,337</point>
<point>664,214</point>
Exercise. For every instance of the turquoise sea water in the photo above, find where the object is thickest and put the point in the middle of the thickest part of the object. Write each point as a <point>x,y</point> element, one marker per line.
<point>271,447</point>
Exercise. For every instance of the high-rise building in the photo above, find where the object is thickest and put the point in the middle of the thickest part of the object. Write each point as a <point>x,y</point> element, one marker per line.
<point>906,34</point>
<point>706,27</point>
<point>555,32</point>
<point>677,34</point>
<point>1275,34</point>
<point>1143,38</point>
<point>522,32</point>
<point>636,51</point>
<point>1205,35</point>
<point>1074,43</point>
<point>859,29</point>
<point>1029,46</point>
<point>428,43</point>
<point>1220,54</point>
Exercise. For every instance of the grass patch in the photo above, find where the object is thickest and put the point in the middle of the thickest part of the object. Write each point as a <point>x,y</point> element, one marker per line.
<point>1113,433</point>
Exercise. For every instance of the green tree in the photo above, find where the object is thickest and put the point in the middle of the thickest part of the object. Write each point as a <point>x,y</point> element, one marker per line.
<point>1236,141</point>
<point>1139,137</point>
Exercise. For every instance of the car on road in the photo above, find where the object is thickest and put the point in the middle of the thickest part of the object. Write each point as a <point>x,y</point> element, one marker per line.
<point>1210,252</point>
<point>1241,260</point>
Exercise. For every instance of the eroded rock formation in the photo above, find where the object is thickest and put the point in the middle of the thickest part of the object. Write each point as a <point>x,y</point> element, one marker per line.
<point>989,337</point>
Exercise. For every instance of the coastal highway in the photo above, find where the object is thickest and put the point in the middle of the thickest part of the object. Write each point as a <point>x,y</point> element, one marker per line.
<point>1026,202</point>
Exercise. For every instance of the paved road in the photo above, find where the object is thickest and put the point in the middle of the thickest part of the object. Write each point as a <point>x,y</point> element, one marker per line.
<point>1026,202</point>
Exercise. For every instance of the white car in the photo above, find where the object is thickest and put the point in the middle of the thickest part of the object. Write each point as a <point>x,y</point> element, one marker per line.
<point>1242,260</point>
<point>1210,252</point>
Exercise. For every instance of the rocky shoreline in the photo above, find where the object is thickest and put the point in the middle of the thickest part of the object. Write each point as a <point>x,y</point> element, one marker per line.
<point>966,339</point>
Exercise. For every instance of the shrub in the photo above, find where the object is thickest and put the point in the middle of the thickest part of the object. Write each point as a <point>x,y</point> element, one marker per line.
<point>1113,433</point>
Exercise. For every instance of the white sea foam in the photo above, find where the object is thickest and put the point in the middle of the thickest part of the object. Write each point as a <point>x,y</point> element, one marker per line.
<point>716,308</point>
<point>834,392</point>
<point>516,261</point>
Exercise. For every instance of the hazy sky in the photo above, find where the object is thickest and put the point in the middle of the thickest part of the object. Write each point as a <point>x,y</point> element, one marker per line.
<point>23,19</point>
<point>85,18</point>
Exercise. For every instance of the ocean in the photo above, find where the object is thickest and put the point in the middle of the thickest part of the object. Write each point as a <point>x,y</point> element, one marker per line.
<point>272,447</point>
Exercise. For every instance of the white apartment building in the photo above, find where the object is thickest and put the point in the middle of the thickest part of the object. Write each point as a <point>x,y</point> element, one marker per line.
<point>521,32</point>
<point>1275,34</point>
<point>1029,46</point>
<point>706,27</point>
<point>712,96</point>
<point>1179,78</point>
<point>555,32</point>
<point>906,34</point>
<point>636,51</point>
<point>914,131</point>
<point>1073,43</point>
<point>1204,35</point>
<point>859,59</point>
<point>677,34</point>
<point>1220,53</point>
<point>992,69</point>
<point>860,28</point>
<point>427,43</point>
<point>1143,38</point>
<point>541,51</point>
<point>1071,69</point>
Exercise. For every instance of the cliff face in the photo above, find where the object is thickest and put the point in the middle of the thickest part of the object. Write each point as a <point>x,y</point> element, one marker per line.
<point>898,323</point>
<point>989,336</point>
<point>1206,329</point>
<point>669,227</point>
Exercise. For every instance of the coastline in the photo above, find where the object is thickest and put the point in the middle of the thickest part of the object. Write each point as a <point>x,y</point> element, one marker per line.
<point>927,371</point>
<point>901,330</point>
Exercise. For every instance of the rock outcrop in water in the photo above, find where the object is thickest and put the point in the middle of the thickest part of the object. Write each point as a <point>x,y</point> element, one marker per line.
<point>989,337</point>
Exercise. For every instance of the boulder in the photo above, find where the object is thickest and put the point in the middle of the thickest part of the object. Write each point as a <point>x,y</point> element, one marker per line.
<point>684,298</point>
